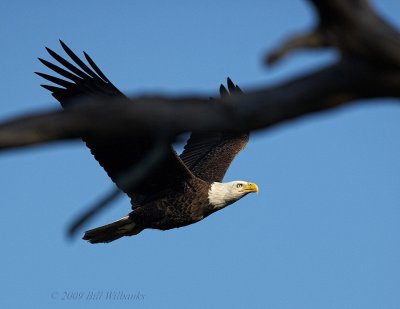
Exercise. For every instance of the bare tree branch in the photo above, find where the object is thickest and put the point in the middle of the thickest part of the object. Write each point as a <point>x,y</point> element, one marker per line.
<point>353,27</point>
<point>339,84</point>
<point>308,40</point>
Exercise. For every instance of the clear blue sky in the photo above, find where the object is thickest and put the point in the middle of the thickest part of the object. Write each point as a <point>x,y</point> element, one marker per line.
<point>322,233</point>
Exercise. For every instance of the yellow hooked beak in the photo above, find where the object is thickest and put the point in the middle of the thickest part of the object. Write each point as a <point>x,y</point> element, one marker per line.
<point>250,187</point>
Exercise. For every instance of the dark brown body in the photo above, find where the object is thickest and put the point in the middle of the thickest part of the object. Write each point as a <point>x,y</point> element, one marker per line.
<point>185,205</point>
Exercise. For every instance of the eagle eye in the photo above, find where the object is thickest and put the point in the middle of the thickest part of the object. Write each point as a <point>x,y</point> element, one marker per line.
<point>239,185</point>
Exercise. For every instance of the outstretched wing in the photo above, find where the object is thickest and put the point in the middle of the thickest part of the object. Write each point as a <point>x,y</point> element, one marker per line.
<point>115,155</point>
<point>208,156</point>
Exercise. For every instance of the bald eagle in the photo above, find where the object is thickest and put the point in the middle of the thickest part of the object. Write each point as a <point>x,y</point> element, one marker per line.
<point>182,189</point>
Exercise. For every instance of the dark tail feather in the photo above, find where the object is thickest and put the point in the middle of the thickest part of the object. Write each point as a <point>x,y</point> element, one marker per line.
<point>115,230</point>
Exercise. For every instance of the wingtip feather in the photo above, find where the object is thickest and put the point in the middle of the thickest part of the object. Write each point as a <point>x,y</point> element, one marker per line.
<point>231,85</point>
<point>222,91</point>
<point>95,67</point>
<point>52,89</point>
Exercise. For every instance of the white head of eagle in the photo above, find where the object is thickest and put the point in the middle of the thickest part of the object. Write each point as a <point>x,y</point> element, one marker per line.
<point>222,194</point>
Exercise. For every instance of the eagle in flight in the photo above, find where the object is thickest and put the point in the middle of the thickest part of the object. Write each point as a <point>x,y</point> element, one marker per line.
<point>182,189</point>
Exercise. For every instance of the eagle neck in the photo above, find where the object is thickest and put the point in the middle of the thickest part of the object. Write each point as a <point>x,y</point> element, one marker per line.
<point>218,195</point>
